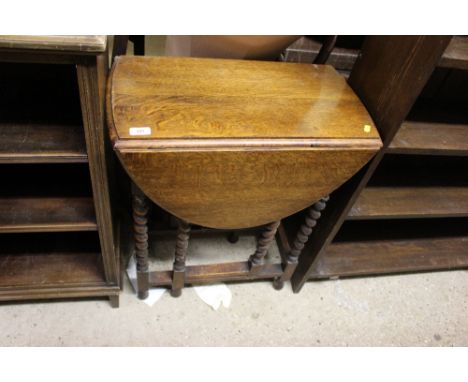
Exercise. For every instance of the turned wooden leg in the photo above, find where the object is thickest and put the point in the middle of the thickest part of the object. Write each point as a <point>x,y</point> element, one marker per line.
<point>178,275</point>
<point>140,207</point>
<point>291,261</point>
<point>233,237</point>
<point>266,238</point>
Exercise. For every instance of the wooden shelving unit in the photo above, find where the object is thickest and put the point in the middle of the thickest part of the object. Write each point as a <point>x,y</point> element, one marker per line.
<point>56,226</point>
<point>43,214</point>
<point>51,259</point>
<point>369,248</point>
<point>407,211</point>
<point>37,125</point>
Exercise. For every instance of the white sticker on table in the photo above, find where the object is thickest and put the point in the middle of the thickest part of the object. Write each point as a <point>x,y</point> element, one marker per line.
<point>140,130</point>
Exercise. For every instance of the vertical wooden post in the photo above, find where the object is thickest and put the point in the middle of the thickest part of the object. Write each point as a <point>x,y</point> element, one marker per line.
<point>140,206</point>
<point>267,236</point>
<point>91,74</point>
<point>178,275</point>
<point>305,230</point>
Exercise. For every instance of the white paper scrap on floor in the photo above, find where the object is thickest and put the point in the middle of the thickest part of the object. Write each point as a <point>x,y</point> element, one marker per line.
<point>214,295</point>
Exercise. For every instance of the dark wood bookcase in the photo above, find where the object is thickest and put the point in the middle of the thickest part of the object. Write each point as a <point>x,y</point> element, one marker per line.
<point>56,227</point>
<point>407,210</point>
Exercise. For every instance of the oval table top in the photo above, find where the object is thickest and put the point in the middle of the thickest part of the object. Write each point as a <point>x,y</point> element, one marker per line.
<point>236,143</point>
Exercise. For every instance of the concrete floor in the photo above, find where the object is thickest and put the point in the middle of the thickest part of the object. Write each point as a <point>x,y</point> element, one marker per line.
<point>407,310</point>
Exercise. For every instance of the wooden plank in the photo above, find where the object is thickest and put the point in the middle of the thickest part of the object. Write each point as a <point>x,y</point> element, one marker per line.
<point>47,214</point>
<point>180,97</point>
<point>210,188</point>
<point>46,260</point>
<point>430,138</point>
<point>92,75</point>
<point>211,273</point>
<point>36,292</point>
<point>305,50</point>
<point>410,202</point>
<point>50,269</point>
<point>456,54</point>
<point>392,256</point>
<point>223,136</point>
<point>36,142</point>
<point>70,43</point>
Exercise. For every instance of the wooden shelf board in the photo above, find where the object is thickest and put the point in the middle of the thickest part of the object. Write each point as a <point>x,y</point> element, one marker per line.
<point>456,54</point>
<point>306,49</point>
<point>73,291</point>
<point>45,214</point>
<point>85,43</point>
<point>430,139</point>
<point>210,273</point>
<point>61,269</point>
<point>345,259</point>
<point>410,202</point>
<point>38,142</point>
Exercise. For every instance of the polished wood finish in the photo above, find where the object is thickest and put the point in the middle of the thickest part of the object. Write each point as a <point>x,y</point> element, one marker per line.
<point>51,115</point>
<point>456,54</point>
<point>70,43</point>
<point>388,77</point>
<point>219,141</point>
<point>208,98</point>
<point>209,188</point>
<point>227,135</point>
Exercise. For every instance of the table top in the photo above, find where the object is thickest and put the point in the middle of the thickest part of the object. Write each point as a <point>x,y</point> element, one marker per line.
<point>184,98</point>
<point>69,43</point>
<point>236,144</point>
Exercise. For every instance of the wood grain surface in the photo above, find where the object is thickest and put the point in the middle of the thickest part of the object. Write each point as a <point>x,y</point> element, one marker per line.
<point>70,43</point>
<point>45,214</point>
<point>52,259</point>
<point>209,98</point>
<point>410,202</point>
<point>236,144</point>
<point>240,188</point>
<point>456,54</point>
<point>430,138</point>
<point>41,142</point>
<point>346,259</point>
